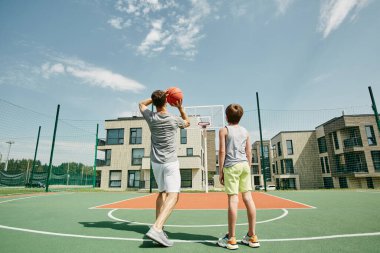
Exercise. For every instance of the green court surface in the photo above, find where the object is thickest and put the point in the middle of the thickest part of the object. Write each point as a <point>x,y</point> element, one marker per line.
<point>343,221</point>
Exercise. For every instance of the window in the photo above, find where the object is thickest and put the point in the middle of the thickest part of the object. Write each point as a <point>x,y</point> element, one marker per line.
<point>327,164</point>
<point>183,133</point>
<point>256,180</point>
<point>133,178</point>
<point>328,182</point>
<point>322,145</point>
<point>289,146</point>
<point>279,149</point>
<point>289,166</point>
<point>370,135</point>
<point>376,160</point>
<point>135,136</point>
<point>108,157</point>
<point>137,155</point>
<point>189,152</point>
<point>273,169</point>
<point>115,136</point>
<point>217,159</point>
<point>276,167</point>
<point>115,179</point>
<point>336,141</point>
<point>343,182</point>
<point>323,164</point>
<point>282,166</point>
<point>266,151</point>
<point>186,178</point>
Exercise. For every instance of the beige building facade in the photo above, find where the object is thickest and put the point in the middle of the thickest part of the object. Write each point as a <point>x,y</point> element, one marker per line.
<point>349,152</point>
<point>296,161</point>
<point>126,163</point>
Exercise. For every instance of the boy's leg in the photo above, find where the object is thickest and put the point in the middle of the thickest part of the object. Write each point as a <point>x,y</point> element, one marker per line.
<point>233,201</point>
<point>251,212</point>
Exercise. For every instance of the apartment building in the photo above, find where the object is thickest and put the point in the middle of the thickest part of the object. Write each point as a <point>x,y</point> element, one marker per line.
<point>349,152</point>
<point>126,163</point>
<point>296,161</point>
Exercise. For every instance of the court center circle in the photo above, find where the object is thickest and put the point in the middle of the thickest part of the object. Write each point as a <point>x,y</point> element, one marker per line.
<point>111,216</point>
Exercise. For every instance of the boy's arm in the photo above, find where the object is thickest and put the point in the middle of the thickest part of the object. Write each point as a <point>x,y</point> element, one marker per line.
<point>183,113</point>
<point>248,151</point>
<point>143,104</point>
<point>222,153</point>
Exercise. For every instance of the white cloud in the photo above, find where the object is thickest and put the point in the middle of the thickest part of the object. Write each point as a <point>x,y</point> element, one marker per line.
<point>334,12</point>
<point>90,74</point>
<point>172,25</point>
<point>153,38</point>
<point>116,22</point>
<point>282,6</point>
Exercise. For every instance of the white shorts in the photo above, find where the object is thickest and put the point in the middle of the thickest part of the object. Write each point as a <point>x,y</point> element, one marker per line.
<point>168,176</point>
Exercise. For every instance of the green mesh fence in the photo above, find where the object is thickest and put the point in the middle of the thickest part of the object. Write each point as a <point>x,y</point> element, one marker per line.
<point>73,157</point>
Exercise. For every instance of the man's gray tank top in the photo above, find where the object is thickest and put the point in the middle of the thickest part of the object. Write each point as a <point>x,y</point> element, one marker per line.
<point>235,145</point>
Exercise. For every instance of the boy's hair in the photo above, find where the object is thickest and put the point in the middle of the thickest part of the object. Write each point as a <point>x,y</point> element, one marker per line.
<point>234,112</point>
<point>159,98</point>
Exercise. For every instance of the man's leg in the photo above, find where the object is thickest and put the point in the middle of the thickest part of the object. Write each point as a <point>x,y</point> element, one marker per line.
<point>233,201</point>
<point>159,202</point>
<point>251,212</point>
<point>166,209</point>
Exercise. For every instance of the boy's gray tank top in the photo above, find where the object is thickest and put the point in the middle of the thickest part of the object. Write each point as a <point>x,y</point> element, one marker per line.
<point>235,145</point>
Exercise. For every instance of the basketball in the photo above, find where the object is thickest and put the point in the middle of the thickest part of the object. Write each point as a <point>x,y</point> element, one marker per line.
<point>174,94</point>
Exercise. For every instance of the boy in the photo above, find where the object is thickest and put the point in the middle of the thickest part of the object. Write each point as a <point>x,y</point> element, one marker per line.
<point>235,162</point>
<point>163,127</point>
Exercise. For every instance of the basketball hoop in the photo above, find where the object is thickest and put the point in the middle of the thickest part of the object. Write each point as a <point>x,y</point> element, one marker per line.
<point>203,124</point>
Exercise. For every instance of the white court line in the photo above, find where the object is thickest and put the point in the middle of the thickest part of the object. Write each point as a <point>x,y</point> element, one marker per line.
<point>289,200</point>
<point>187,241</point>
<point>10,200</point>
<point>195,226</point>
<point>98,207</point>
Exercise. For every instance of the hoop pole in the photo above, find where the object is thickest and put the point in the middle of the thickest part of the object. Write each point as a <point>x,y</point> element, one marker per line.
<point>205,157</point>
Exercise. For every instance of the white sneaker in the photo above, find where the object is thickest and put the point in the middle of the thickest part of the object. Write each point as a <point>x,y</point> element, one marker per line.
<point>251,241</point>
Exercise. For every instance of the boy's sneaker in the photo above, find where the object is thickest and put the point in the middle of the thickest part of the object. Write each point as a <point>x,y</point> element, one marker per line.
<point>159,237</point>
<point>228,243</point>
<point>251,241</point>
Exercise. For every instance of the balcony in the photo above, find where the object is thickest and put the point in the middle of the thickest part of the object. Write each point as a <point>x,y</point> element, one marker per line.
<point>188,162</point>
<point>353,142</point>
<point>100,162</point>
<point>101,142</point>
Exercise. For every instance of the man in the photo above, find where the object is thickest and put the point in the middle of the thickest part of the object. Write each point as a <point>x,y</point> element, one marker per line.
<point>163,127</point>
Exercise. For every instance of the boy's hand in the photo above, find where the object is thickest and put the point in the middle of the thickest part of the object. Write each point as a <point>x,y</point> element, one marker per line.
<point>221,178</point>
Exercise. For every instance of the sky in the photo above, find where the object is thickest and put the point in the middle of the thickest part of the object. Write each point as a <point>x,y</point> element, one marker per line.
<point>98,59</point>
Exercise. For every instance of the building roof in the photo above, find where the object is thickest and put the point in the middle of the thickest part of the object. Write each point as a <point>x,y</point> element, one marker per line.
<point>288,132</point>
<point>126,118</point>
<point>347,116</point>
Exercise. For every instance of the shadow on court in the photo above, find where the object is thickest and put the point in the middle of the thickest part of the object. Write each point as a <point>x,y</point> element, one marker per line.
<point>142,229</point>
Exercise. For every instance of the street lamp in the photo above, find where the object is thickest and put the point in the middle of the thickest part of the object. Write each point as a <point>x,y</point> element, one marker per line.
<point>9,150</point>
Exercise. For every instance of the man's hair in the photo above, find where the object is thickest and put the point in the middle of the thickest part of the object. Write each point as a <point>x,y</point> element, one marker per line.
<point>159,98</point>
<point>234,112</point>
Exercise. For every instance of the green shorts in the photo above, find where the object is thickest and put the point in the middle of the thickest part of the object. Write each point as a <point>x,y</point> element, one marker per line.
<point>237,178</point>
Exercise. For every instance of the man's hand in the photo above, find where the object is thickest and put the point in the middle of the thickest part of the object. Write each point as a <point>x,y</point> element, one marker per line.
<point>178,104</point>
<point>221,178</point>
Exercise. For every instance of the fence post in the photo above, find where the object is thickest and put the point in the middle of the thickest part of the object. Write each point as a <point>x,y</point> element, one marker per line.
<point>52,149</point>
